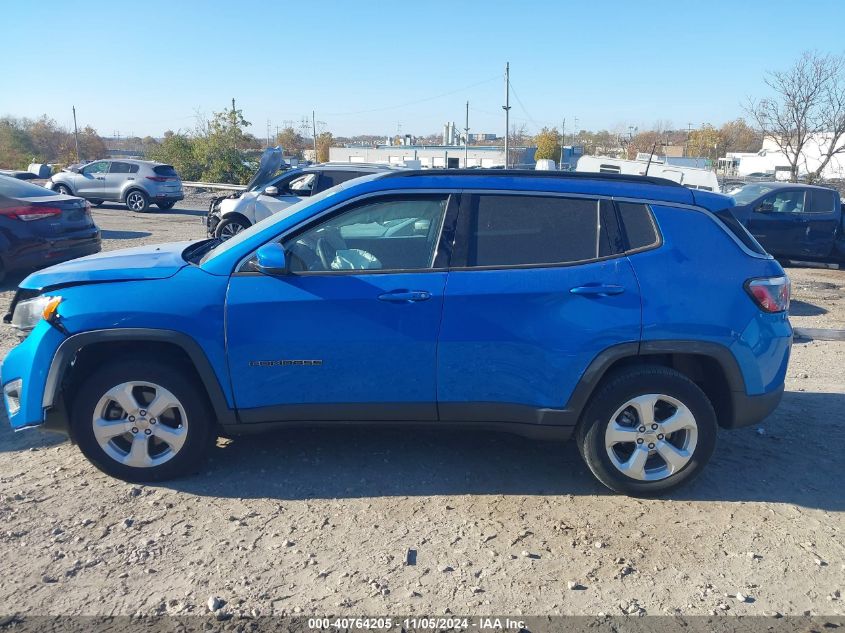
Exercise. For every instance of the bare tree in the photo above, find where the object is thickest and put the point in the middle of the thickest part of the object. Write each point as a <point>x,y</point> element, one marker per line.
<point>808,102</point>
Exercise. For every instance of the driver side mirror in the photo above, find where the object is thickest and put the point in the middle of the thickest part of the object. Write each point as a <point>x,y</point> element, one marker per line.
<point>765,207</point>
<point>271,191</point>
<point>271,259</point>
<point>75,169</point>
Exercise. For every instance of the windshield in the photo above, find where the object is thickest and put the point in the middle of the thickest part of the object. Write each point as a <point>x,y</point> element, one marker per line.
<point>750,192</point>
<point>14,188</point>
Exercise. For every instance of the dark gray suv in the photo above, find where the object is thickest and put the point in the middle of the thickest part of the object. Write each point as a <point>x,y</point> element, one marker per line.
<point>137,183</point>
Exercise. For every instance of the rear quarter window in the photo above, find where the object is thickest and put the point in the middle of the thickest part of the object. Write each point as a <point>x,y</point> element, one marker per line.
<point>638,225</point>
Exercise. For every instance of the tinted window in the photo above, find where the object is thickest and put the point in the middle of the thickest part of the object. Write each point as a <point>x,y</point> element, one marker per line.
<point>118,167</point>
<point>133,168</point>
<point>639,225</point>
<point>822,201</point>
<point>395,233</point>
<point>734,226</point>
<point>165,170</point>
<point>519,230</point>
<point>331,178</point>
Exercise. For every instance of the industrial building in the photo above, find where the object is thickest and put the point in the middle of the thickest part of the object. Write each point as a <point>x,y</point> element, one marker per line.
<point>435,156</point>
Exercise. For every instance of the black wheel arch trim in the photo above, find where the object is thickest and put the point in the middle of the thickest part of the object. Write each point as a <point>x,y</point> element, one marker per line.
<point>600,365</point>
<point>68,349</point>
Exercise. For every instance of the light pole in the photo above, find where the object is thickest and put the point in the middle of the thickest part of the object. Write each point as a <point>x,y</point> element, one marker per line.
<point>507,108</point>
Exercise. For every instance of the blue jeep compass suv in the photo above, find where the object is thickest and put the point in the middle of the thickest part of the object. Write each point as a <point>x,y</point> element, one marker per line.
<point>630,312</point>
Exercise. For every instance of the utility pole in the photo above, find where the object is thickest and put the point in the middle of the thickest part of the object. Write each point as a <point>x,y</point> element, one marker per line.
<point>466,138</point>
<point>268,132</point>
<point>574,130</point>
<point>562,141</point>
<point>507,108</point>
<point>314,131</point>
<point>75,134</point>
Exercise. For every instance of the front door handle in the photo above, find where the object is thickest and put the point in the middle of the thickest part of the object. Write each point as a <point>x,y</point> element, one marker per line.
<point>600,290</point>
<point>100,177</point>
<point>405,296</point>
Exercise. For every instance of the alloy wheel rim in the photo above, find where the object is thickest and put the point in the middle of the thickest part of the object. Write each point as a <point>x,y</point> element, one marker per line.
<point>140,424</point>
<point>136,201</point>
<point>230,230</point>
<point>651,437</point>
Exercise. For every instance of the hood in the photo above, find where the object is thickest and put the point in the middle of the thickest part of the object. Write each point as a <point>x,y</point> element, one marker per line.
<point>130,264</point>
<point>271,161</point>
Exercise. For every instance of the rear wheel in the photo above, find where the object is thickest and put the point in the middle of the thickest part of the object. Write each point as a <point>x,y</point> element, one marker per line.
<point>138,201</point>
<point>64,190</point>
<point>647,430</point>
<point>165,206</point>
<point>229,227</point>
<point>142,420</point>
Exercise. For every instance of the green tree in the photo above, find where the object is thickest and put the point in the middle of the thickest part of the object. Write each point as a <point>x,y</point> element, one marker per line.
<point>291,142</point>
<point>324,142</point>
<point>16,149</point>
<point>705,142</point>
<point>177,150</point>
<point>548,144</point>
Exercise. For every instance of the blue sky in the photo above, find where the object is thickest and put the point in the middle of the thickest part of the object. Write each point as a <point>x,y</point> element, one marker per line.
<point>369,66</point>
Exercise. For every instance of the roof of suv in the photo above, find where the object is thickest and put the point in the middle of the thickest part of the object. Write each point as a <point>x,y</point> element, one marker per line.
<point>524,173</point>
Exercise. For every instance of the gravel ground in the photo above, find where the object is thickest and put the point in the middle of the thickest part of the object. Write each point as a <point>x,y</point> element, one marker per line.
<point>392,522</point>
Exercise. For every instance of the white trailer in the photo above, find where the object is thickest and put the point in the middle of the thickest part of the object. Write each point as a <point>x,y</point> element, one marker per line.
<point>692,177</point>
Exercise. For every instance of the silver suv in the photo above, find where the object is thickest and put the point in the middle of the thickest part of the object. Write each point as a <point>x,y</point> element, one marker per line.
<point>137,183</point>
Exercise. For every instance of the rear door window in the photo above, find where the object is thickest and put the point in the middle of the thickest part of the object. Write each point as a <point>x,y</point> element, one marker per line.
<point>518,230</point>
<point>329,179</point>
<point>822,201</point>
<point>119,167</point>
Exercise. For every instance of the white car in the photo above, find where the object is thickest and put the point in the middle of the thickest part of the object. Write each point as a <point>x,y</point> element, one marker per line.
<point>270,192</point>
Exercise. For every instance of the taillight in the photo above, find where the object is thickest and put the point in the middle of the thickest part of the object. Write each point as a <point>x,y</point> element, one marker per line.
<point>27,214</point>
<point>771,294</point>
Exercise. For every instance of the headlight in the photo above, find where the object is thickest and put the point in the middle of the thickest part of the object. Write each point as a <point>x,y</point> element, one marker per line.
<point>29,313</point>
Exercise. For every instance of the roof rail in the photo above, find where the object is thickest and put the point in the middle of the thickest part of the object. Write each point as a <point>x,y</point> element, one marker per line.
<point>526,173</point>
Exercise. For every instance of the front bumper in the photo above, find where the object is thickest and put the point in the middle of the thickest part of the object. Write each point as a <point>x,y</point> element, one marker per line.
<point>211,222</point>
<point>29,363</point>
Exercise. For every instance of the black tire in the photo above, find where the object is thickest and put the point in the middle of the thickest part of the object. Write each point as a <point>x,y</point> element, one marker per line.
<point>63,190</point>
<point>96,203</point>
<point>619,389</point>
<point>138,201</point>
<point>165,206</point>
<point>200,424</point>
<point>229,227</point>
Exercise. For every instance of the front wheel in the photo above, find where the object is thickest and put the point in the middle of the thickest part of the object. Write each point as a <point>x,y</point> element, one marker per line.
<point>229,227</point>
<point>647,430</point>
<point>142,420</point>
<point>137,201</point>
<point>64,190</point>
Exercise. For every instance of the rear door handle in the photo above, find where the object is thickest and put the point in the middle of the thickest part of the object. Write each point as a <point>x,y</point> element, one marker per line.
<point>405,296</point>
<point>599,290</point>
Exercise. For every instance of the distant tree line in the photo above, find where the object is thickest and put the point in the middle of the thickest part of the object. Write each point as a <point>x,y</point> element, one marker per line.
<point>705,141</point>
<point>25,141</point>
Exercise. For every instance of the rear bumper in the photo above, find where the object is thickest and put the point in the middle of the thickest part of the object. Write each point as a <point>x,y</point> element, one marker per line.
<point>750,410</point>
<point>168,197</point>
<point>40,253</point>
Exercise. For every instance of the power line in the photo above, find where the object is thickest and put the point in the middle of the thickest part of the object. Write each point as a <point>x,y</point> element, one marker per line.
<point>410,103</point>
